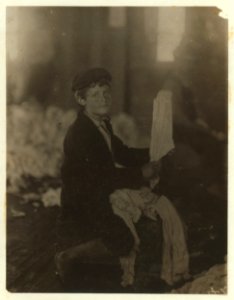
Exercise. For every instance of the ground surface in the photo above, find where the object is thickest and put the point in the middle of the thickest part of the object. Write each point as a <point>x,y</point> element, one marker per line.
<point>31,237</point>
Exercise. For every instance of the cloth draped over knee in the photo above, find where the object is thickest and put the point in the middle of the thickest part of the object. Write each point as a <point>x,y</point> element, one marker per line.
<point>175,261</point>
<point>130,205</point>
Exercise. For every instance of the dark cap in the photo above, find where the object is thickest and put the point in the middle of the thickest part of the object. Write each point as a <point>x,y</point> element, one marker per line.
<point>91,76</point>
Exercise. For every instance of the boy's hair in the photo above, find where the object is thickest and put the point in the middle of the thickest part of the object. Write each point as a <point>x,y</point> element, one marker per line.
<point>90,78</point>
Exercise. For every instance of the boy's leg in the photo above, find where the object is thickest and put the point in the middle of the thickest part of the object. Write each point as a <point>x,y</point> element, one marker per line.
<point>119,239</point>
<point>111,237</point>
<point>93,251</point>
<point>116,236</point>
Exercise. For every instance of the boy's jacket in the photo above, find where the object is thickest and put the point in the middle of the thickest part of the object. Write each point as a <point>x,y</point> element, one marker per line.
<point>89,174</point>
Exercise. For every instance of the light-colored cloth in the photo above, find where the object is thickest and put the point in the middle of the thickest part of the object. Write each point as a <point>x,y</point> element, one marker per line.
<point>162,126</point>
<point>175,260</point>
<point>130,205</point>
<point>161,142</point>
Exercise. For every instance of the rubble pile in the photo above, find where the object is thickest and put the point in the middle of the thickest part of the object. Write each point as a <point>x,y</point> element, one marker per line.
<point>213,281</point>
<point>35,138</point>
<point>34,141</point>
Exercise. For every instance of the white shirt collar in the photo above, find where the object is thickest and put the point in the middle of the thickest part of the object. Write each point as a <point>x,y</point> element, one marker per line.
<point>98,123</point>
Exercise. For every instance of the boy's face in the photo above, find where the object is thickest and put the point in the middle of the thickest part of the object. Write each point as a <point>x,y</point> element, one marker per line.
<point>98,100</point>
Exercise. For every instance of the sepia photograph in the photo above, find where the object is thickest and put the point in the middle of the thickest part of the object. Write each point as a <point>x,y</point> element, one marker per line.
<point>116,149</point>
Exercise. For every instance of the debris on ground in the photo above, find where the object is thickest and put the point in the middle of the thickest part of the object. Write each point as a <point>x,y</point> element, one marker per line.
<point>51,197</point>
<point>17,213</point>
<point>213,281</point>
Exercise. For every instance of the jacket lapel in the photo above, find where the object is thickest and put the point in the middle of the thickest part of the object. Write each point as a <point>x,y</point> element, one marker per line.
<point>94,134</point>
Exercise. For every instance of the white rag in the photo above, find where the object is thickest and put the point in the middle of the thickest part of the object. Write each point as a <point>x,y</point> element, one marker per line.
<point>130,205</point>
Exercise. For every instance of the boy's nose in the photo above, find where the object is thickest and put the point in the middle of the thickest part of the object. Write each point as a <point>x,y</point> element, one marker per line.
<point>104,99</point>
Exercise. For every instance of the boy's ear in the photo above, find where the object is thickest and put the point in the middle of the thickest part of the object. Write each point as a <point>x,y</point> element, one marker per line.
<point>79,100</point>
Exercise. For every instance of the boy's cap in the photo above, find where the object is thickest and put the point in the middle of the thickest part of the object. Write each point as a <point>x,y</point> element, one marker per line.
<point>91,76</point>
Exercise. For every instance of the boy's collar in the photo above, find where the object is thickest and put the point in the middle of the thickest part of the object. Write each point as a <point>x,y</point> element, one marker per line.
<point>98,123</point>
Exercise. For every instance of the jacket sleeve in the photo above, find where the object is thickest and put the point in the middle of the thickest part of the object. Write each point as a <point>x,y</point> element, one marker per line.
<point>88,174</point>
<point>127,156</point>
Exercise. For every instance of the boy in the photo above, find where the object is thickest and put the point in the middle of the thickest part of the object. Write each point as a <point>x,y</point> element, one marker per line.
<point>90,175</point>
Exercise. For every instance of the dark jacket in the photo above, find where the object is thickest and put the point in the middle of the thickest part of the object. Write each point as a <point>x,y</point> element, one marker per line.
<point>89,174</point>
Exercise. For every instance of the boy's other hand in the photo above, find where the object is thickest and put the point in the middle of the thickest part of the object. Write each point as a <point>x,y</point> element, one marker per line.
<point>151,169</point>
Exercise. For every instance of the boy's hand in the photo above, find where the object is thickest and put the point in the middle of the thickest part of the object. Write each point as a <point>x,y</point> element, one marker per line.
<point>151,169</point>
<point>150,211</point>
<point>146,194</point>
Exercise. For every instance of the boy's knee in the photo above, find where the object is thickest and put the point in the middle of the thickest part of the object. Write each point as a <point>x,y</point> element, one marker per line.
<point>119,238</point>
